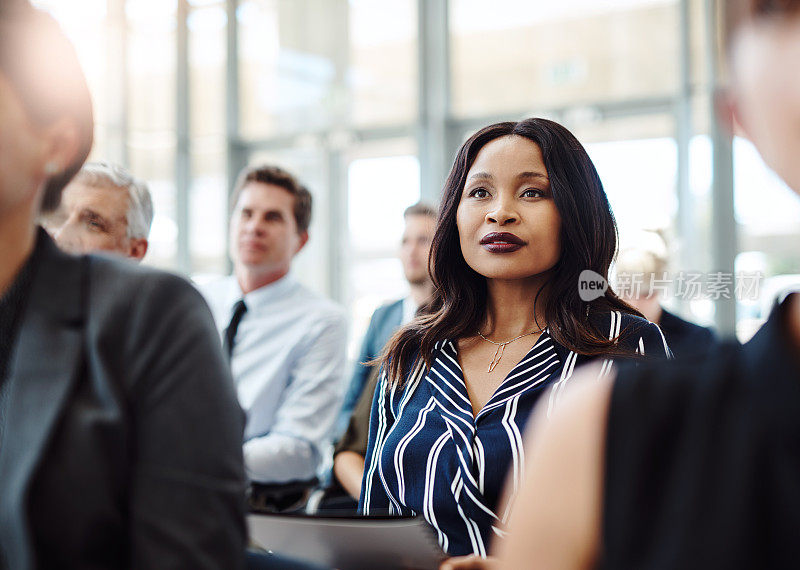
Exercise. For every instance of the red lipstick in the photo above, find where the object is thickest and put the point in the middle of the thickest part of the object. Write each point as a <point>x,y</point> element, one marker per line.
<point>501,242</point>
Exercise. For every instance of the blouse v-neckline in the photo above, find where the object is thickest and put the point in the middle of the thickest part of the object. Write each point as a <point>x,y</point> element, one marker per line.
<point>447,376</point>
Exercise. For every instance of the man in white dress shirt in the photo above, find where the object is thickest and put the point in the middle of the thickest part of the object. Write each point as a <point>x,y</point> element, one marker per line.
<point>286,344</point>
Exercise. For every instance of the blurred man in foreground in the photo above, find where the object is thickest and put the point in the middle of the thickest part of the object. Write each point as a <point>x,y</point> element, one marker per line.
<point>120,434</point>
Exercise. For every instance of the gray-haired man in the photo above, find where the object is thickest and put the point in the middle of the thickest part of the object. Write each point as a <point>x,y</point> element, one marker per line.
<point>104,208</point>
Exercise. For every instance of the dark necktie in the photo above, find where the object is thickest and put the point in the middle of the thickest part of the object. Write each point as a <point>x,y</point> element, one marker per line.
<point>239,309</point>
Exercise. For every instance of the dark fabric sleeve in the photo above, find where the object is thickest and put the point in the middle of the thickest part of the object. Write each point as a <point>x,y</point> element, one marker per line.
<point>187,483</point>
<point>676,463</point>
<point>361,371</point>
<point>357,433</point>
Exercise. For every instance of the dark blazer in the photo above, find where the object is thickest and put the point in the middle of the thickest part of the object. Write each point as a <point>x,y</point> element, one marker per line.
<point>122,440</point>
<point>382,325</point>
<point>686,338</point>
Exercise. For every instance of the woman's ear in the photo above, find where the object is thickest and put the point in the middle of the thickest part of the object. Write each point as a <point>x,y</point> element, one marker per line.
<point>727,110</point>
<point>62,143</point>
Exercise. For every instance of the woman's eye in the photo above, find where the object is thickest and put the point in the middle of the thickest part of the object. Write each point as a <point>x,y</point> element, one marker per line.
<point>479,193</point>
<point>533,193</point>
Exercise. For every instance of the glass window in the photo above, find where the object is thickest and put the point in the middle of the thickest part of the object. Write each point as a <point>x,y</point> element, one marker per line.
<point>522,56</point>
<point>208,207</point>
<point>292,65</point>
<point>84,22</point>
<point>317,64</point>
<point>382,77</point>
<point>152,157</point>
<point>639,179</point>
<point>380,188</point>
<point>151,116</point>
<point>151,65</point>
<point>207,48</point>
<point>208,192</point>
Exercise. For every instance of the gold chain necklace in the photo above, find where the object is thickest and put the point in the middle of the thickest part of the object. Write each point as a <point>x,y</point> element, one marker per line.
<point>501,347</point>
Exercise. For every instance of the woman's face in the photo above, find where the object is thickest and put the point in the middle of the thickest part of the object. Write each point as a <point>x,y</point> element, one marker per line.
<point>508,224</point>
<point>767,93</point>
<point>22,151</point>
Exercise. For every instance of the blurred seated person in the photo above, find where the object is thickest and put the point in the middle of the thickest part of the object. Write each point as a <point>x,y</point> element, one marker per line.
<point>104,208</point>
<point>693,463</point>
<point>523,215</point>
<point>120,434</point>
<point>286,344</point>
<point>638,271</point>
<point>348,459</point>
<point>420,221</point>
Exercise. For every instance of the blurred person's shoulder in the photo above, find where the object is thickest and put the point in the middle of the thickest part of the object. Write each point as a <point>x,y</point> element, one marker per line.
<point>387,308</point>
<point>688,437</point>
<point>130,305</point>
<point>116,281</point>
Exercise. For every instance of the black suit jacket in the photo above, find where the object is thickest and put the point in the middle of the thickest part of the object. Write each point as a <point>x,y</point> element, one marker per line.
<point>686,338</point>
<point>122,440</point>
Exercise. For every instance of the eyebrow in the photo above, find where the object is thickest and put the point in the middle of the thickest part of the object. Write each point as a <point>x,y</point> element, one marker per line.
<point>86,213</point>
<point>521,175</point>
<point>481,176</point>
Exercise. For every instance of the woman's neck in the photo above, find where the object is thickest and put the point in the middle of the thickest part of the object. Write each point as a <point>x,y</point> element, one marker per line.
<point>513,308</point>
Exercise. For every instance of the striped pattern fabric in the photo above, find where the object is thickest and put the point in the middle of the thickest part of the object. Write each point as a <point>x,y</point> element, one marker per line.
<point>428,455</point>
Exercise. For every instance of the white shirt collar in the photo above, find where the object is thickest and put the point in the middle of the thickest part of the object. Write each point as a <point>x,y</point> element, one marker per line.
<point>275,291</point>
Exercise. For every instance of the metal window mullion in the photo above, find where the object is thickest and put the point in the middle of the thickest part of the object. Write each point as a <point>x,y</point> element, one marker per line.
<point>434,136</point>
<point>686,227</point>
<point>723,222</point>
<point>236,152</point>
<point>182,126</point>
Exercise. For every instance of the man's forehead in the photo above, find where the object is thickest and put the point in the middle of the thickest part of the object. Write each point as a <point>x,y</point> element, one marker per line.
<point>265,196</point>
<point>78,193</point>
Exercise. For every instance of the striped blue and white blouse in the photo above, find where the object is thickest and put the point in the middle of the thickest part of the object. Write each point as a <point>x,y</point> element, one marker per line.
<point>428,455</point>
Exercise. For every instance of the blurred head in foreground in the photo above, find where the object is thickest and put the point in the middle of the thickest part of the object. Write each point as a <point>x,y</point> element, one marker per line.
<point>45,113</point>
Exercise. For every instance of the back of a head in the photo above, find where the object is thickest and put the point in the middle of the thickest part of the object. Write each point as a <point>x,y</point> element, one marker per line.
<point>42,67</point>
<point>421,209</point>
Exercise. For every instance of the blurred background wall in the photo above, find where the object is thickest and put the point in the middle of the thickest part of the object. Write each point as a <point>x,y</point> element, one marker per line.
<point>368,100</point>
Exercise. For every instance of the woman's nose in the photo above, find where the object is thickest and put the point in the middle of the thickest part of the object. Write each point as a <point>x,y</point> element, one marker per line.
<point>503,213</point>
